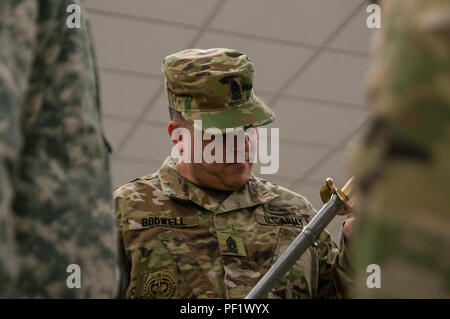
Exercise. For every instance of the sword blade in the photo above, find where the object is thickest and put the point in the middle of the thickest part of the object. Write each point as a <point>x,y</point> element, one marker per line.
<point>296,249</point>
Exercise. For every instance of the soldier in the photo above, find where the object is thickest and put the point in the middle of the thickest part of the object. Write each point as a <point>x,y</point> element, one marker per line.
<point>55,189</point>
<point>199,230</point>
<point>402,165</point>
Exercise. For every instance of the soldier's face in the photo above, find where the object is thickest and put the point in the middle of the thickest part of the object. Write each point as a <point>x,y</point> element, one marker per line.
<point>226,175</point>
<point>222,175</point>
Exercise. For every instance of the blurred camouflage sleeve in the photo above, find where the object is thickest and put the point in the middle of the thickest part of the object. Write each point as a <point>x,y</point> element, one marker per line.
<point>56,200</point>
<point>335,272</point>
<point>402,163</point>
<point>17,43</point>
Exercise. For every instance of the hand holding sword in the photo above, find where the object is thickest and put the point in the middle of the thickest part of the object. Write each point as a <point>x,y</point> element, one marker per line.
<point>337,202</point>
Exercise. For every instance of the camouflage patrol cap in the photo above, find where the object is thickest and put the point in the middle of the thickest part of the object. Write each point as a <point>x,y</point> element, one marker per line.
<point>215,86</point>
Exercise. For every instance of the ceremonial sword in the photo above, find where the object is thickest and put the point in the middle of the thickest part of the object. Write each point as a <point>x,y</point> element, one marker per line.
<point>337,202</point>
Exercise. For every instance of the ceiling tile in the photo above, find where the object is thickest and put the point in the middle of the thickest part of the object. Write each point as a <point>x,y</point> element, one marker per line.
<point>274,63</point>
<point>294,160</point>
<point>316,122</point>
<point>336,166</point>
<point>124,171</point>
<point>134,45</point>
<point>311,191</point>
<point>148,142</point>
<point>333,76</point>
<point>355,36</point>
<point>115,130</point>
<point>170,10</point>
<point>126,95</point>
<point>159,110</point>
<point>265,96</point>
<point>308,21</point>
<point>356,139</point>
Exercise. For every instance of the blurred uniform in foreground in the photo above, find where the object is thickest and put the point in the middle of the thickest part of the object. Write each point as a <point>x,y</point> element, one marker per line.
<point>403,163</point>
<point>55,190</point>
<point>212,230</point>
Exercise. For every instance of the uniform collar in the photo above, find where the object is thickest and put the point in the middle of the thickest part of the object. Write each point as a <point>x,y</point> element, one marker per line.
<point>253,193</point>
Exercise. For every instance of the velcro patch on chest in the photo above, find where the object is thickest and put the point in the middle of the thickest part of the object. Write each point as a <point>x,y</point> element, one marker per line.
<point>287,220</point>
<point>155,221</point>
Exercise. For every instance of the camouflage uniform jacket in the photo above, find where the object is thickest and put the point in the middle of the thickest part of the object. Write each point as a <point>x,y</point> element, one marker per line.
<point>177,242</point>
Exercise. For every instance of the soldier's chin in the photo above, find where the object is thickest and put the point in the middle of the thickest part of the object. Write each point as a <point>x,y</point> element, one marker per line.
<point>237,173</point>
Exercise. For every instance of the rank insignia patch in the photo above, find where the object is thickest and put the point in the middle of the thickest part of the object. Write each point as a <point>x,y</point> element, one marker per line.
<point>235,89</point>
<point>231,244</point>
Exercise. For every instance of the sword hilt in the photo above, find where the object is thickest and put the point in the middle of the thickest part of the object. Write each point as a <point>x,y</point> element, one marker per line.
<point>346,194</point>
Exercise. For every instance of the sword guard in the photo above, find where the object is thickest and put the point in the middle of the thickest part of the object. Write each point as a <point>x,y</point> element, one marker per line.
<point>345,194</point>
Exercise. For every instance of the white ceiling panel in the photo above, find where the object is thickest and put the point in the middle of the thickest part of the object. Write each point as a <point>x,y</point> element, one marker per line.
<point>333,76</point>
<point>124,171</point>
<point>115,130</point>
<point>190,12</point>
<point>125,95</point>
<point>337,166</point>
<point>159,110</point>
<point>358,136</point>
<point>274,63</point>
<point>309,21</point>
<point>315,122</point>
<point>134,45</point>
<point>294,160</point>
<point>148,142</point>
<point>355,35</point>
<point>311,191</point>
<point>265,96</point>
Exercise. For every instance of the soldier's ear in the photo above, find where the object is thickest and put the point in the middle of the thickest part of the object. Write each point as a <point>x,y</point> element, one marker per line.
<point>180,136</point>
<point>171,129</point>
